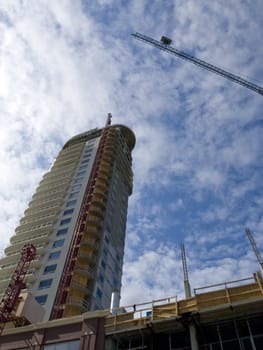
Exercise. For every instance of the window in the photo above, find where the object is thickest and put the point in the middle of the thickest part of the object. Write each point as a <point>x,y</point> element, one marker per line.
<point>58,243</point>
<point>45,283</point>
<point>71,203</point>
<point>75,187</point>
<point>99,293</point>
<point>78,180</point>
<point>41,299</point>
<point>73,195</point>
<point>105,251</point>
<point>116,268</point>
<point>50,269</point>
<point>54,255</point>
<point>80,173</point>
<point>84,161</point>
<point>68,211</point>
<point>62,232</point>
<point>82,167</point>
<point>103,264</point>
<point>115,283</point>
<point>69,345</point>
<point>101,278</point>
<point>65,221</point>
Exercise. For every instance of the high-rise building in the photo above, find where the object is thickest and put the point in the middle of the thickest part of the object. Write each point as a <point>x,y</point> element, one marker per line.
<point>77,221</point>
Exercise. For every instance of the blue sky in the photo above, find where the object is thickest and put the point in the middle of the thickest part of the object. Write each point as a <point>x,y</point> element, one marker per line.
<point>198,159</point>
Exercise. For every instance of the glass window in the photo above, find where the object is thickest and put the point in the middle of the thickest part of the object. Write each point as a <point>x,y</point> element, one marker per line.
<point>105,251</point>
<point>65,221</point>
<point>73,195</point>
<point>45,283</point>
<point>68,211</point>
<point>78,180</point>
<point>71,203</point>
<point>115,283</point>
<point>84,161</point>
<point>69,345</point>
<point>99,293</point>
<point>58,243</point>
<point>41,299</point>
<point>75,187</point>
<point>54,255</point>
<point>83,167</point>
<point>50,268</point>
<point>101,278</point>
<point>103,264</point>
<point>80,173</point>
<point>62,232</point>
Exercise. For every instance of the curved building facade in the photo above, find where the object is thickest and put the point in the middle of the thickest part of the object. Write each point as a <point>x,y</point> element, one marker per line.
<point>77,221</point>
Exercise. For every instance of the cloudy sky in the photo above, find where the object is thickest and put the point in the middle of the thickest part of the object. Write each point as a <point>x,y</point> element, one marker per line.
<point>198,159</point>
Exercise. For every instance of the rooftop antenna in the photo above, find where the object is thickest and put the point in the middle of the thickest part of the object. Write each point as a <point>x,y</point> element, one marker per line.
<point>108,121</point>
<point>187,287</point>
<point>255,248</point>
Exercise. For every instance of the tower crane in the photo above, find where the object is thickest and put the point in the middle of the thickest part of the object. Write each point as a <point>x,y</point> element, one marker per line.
<point>16,284</point>
<point>187,288</point>
<point>255,248</point>
<point>164,44</point>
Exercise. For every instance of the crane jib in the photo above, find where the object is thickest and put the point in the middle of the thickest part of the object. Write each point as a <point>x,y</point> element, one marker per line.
<point>164,45</point>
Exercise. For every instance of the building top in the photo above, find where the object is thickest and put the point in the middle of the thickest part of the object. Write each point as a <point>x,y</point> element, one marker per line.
<point>127,132</point>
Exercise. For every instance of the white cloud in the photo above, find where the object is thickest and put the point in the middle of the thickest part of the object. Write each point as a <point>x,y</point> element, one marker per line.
<point>208,178</point>
<point>153,275</point>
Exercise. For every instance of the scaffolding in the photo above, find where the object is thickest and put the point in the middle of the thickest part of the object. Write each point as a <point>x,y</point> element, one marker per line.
<point>220,316</point>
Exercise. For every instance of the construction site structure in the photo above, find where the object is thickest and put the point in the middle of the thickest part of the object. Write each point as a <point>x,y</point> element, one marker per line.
<point>255,248</point>
<point>164,44</point>
<point>9,301</point>
<point>187,287</point>
<point>187,290</point>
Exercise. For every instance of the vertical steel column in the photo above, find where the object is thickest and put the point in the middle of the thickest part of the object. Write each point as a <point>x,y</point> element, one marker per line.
<point>251,337</point>
<point>219,336</point>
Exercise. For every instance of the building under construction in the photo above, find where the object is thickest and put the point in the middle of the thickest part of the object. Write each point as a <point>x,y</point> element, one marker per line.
<point>218,317</point>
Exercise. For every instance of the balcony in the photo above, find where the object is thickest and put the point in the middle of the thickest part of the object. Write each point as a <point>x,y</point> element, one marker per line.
<point>48,226</point>
<point>10,259</point>
<point>96,211</point>
<point>32,213</point>
<point>41,222</point>
<point>82,287</point>
<point>99,202</point>
<point>92,232</point>
<point>34,219</point>
<point>55,180</point>
<point>102,180</point>
<point>77,302</point>
<point>38,242</point>
<point>58,190</point>
<point>90,243</point>
<point>84,270</point>
<point>30,235</point>
<point>86,256</point>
